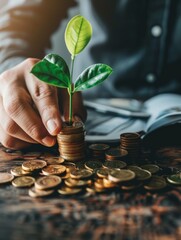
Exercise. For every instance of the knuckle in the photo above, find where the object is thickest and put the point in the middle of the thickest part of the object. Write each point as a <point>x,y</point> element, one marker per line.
<point>35,133</point>
<point>43,91</point>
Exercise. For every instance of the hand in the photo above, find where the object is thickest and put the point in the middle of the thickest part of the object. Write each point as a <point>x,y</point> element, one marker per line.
<point>31,111</point>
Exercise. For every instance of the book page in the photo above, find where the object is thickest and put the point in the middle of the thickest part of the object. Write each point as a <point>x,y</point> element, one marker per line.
<point>164,109</point>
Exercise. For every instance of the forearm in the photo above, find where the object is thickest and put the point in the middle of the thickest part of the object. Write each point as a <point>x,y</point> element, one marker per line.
<point>25,29</point>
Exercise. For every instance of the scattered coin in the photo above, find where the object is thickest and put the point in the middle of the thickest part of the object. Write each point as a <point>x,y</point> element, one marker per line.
<point>5,177</point>
<point>92,165</point>
<point>114,164</point>
<point>77,183</point>
<point>33,192</point>
<point>122,175</point>
<point>25,181</point>
<point>81,174</point>
<point>155,183</point>
<point>151,168</point>
<point>141,174</point>
<point>54,170</point>
<point>174,179</point>
<point>103,172</point>
<point>32,165</point>
<point>69,191</point>
<point>47,182</point>
<point>18,171</point>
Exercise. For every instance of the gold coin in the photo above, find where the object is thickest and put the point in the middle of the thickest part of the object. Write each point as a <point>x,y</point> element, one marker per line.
<point>92,165</point>
<point>70,166</point>
<point>98,183</point>
<point>99,147</point>
<point>130,136</point>
<point>40,193</point>
<point>109,184</point>
<point>76,127</point>
<point>55,160</point>
<point>134,168</point>
<point>18,171</point>
<point>90,190</point>
<point>155,183</point>
<point>70,182</point>
<point>65,175</point>
<point>103,172</point>
<point>81,173</point>
<point>24,181</point>
<point>5,177</point>
<point>33,165</point>
<point>151,168</point>
<point>69,138</point>
<point>141,174</point>
<point>54,170</point>
<point>69,191</point>
<point>116,154</point>
<point>174,179</point>
<point>114,164</point>
<point>47,182</point>
<point>121,175</point>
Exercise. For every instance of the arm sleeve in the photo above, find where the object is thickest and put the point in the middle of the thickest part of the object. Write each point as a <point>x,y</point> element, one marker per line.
<point>26,27</point>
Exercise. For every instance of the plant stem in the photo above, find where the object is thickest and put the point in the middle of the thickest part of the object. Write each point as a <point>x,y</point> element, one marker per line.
<point>71,89</point>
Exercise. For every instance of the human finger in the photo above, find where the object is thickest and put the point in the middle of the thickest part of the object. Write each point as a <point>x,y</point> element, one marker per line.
<point>11,128</point>
<point>11,142</point>
<point>45,98</point>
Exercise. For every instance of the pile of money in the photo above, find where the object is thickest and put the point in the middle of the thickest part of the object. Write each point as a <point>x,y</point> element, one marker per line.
<point>71,141</point>
<point>107,169</point>
<point>132,143</point>
<point>44,177</point>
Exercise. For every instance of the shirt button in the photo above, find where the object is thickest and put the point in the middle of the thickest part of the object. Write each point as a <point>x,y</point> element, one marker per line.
<point>156,31</point>
<point>150,78</point>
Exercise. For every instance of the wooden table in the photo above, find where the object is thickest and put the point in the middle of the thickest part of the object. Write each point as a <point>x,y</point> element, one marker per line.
<point>118,215</point>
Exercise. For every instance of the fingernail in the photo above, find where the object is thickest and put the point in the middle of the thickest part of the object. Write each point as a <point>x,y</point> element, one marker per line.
<point>52,126</point>
<point>48,141</point>
<point>77,118</point>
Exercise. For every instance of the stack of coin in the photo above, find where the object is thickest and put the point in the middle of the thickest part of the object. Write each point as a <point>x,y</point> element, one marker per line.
<point>132,143</point>
<point>116,154</point>
<point>98,150</point>
<point>71,141</point>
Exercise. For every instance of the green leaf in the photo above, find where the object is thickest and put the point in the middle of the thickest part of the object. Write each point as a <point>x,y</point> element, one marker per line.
<point>77,34</point>
<point>51,74</point>
<point>58,61</point>
<point>92,76</point>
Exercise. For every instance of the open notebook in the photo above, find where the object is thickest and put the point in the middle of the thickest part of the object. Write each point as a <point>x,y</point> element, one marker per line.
<point>157,117</point>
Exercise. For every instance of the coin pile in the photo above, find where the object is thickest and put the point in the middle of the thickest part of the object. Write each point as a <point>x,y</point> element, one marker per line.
<point>132,143</point>
<point>106,170</point>
<point>71,141</point>
<point>98,150</point>
<point>93,176</point>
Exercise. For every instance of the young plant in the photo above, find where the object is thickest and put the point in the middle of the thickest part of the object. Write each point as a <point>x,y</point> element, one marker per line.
<point>53,69</point>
